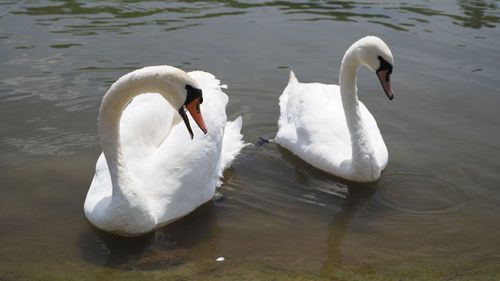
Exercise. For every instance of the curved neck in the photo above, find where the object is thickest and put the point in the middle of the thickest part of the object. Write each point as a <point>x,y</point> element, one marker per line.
<point>114,102</point>
<point>362,150</point>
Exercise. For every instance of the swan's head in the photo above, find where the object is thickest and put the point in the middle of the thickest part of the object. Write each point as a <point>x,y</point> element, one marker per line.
<point>188,98</point>
<point>376,55</point>
<point>177,87</point>
<point>194,97</point>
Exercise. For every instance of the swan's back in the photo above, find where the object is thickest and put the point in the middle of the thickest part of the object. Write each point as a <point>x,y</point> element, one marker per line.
<point>312,126</point>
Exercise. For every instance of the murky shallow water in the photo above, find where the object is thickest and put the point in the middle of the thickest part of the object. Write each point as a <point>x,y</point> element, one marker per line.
<point>433,214</point>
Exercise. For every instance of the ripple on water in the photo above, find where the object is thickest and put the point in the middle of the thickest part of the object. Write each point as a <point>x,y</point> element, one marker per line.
<point>419,194</point>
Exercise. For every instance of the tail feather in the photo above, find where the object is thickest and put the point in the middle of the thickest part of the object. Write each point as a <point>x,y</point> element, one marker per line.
<point>293,78</point>
<point>231,145</point>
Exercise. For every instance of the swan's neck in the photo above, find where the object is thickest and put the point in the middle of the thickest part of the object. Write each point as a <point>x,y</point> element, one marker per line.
<point>114,102</point>
<point>363,155</point>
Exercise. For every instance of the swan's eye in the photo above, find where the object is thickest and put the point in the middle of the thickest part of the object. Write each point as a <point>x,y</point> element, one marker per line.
<point>192,94</point>
<point>384,65</point>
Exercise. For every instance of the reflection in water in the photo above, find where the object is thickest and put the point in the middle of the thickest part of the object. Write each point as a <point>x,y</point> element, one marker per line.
<point>117,18</point>
<point>476,13</point>
<point>279,214</point>
<point>313,178</point>
<point>167,247</point>
<point>355,196</point>
<point>358,195</point>
<point>110,17</point>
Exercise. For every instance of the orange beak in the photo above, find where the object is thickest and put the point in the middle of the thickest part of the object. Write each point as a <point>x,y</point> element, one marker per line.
<point>384,76</point>
<point>194,109</point>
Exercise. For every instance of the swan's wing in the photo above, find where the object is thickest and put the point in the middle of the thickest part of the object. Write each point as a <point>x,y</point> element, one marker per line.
<point>100,187</point>
<point>232,141</point>
<point>145,123</point>
<point>312,125</point>
<point>381,153</point>
<point>184,172</point>
<point>232,144</point>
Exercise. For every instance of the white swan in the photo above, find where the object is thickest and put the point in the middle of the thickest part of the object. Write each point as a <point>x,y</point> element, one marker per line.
<point>328,127</point>
<point>152,171</point>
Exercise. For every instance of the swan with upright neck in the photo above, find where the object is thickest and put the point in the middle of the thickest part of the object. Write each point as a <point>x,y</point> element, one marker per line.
<point>152,170</point>
<point>328,127</point>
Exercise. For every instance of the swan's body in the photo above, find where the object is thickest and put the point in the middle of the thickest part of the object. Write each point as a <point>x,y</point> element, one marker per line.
<point>151,173</point>
<point>328,127</point>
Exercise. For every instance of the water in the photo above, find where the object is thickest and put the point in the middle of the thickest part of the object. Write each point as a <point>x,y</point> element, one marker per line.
<point>432,216</point>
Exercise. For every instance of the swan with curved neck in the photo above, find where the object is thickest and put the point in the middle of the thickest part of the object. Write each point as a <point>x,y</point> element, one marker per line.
<point>327,125</point>
<point>152,173</point>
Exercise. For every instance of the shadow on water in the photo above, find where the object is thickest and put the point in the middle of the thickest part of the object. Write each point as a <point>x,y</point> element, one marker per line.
<point>169,246</point>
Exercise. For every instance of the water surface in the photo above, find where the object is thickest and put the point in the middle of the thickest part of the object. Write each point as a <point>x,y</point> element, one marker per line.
<point>432,216</point>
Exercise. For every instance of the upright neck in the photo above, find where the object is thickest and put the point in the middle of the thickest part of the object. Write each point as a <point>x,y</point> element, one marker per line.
<point>114,102</point>
<point>363,157</point>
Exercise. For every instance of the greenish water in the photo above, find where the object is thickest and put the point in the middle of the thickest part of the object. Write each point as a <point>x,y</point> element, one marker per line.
<point>434,214</point>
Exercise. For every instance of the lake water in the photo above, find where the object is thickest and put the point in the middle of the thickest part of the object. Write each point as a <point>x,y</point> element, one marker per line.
<point>433,215</point>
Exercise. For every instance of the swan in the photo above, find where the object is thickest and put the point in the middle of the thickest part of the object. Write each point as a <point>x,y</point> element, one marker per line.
<point>328,127</point>
<point>152,171</point>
